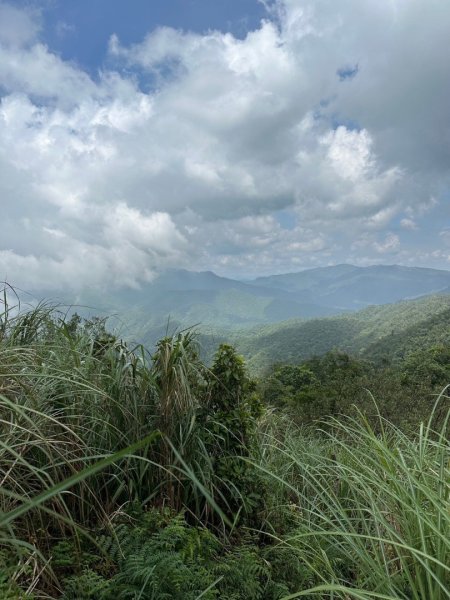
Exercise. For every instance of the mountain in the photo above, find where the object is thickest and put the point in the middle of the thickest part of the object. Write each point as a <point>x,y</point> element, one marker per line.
<point>377,332</point>
<point>180,298</point>
<point>221,306</point>
<point>349,287</point>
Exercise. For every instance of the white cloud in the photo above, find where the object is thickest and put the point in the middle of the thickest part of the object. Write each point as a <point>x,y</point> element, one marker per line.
<point>408,224</point>
<point>390,244</point>
<point>196,161</point>
<point>18,27</point>
<point>349,152</point>
<point>38,72</point>
<point>125,247</point>
<point>155,233</point>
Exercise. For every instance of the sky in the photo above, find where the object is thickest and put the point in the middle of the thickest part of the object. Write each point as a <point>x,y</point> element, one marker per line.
<point>245,137</point>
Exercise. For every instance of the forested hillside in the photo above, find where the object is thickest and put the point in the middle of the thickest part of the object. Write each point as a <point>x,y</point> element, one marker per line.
<point>176,299</point>
<point>378,332</point>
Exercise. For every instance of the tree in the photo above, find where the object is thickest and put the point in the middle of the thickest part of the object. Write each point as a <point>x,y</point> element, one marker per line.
<point>230,419</point>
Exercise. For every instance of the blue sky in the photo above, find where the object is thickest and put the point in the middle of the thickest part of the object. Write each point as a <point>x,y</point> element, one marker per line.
<point>243,137</point>
<point>80,29</point>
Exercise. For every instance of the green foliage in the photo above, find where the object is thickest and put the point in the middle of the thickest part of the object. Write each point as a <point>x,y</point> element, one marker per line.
<point>288,385</point>
<point>68,554</point>
<point>379,333</point>
<point>230,420</point>
<point>412,332</point>
<point>13,570</point>
<point>171,563</point>
<point>430,367</point>
<point>97,437</point>
<point>87,585</point>
<point>339,384</point>
<point>160,556</point>
<point>247,574</point>
<point>320,387</point>
<point>372,509</point>
<point>180,381</point>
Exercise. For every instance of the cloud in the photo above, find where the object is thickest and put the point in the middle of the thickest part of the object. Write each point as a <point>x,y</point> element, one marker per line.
<point>391,243</point>
<point>124,247</point>
<point>156,231</point>
<point>408,224</point>
<point>187,146</point>
<point>18,27</point>
<point>445,236</point>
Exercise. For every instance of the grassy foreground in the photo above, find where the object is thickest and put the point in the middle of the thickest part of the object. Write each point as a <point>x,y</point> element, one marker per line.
<point>124,475</point>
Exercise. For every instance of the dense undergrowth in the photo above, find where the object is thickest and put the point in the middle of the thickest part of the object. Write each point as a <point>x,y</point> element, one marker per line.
<point>130,476</point>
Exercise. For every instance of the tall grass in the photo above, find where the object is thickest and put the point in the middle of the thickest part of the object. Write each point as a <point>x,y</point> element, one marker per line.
<point>370,511</point>
<point>70,403</point>
<point>88,426</point>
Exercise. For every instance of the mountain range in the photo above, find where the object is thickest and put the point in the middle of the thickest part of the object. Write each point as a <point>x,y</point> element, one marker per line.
<point>179,298</point>
<point>278,317</point>
<point>388,332</point>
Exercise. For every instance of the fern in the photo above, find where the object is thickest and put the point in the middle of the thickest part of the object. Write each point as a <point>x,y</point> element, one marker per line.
<point>169,564</point>
<point>161,557</point>
<point>9,588</point>
<point>87,586</point>
<point>244,574</point>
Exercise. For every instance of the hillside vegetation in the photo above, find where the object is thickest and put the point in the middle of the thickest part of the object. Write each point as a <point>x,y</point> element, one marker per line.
<point>127,475</point>
<point>176,299</point>
<point>378,333</point>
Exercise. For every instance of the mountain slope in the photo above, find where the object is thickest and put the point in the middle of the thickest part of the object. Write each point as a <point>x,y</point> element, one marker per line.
<point>188,298</point>
<point>185,298</point>
<point>377,332</point>
<point>177,299</point>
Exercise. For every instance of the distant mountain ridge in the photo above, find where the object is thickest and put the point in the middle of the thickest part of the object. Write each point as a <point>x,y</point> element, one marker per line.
<point>178,298</point>
<point>190,297</point>
<point>351,287</point>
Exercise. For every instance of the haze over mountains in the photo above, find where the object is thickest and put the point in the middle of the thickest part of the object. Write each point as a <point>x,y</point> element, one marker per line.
<point>281,317</point>
<point>188,298</point>
<point>220,306</point>
<point>349,287</point>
